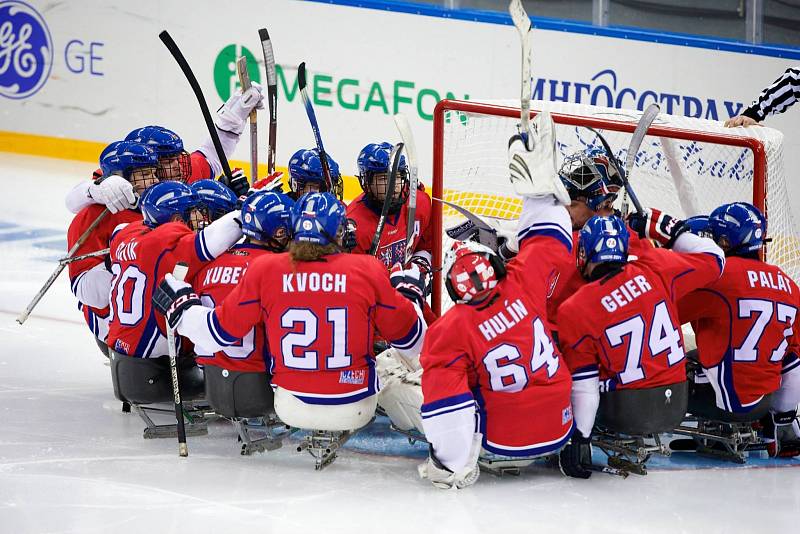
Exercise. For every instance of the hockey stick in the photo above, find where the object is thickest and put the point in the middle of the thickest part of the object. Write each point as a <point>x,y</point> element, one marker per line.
<point>407,136</point>
<point>312,119</point>
<point>244,81</point>
<point>179,272</point>
<point>394,158</point>
<point>198,93</point>
<point>66,260</point>
<point>645,121</point>
<point>486,234</point>
<point>272,95</point>
<point>523,24</point>
<point>61,264</point>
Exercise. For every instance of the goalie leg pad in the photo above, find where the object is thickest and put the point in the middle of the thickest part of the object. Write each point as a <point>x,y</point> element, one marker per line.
<point>401,391</point>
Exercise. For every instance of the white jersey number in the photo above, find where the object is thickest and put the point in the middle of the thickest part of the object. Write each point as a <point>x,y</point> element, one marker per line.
<point>506,375</point>
<point>127,294</point>
<point>308,334</point>
<point>764,309</point>
<point>663,337</point>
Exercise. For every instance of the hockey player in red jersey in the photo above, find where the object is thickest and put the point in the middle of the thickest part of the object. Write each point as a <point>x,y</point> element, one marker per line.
<point>747,331</point>
<point>174,162</point>
<point>319,308</point>
<point>620,330</point>
<point>90,281</point>
<point>266,223</point>
<point>492,353</point>
<point>143,251</point>
<point>365,209</point>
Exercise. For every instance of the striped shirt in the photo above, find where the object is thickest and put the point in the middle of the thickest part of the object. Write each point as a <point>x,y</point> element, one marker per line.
<point>776,98</point>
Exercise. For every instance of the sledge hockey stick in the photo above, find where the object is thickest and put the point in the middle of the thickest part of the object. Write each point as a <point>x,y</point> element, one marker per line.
<point>66,260</point>
<point>394,158</point>
<point>486,234</point>
<point>179,272</point>
<point>645,121</point>
<point>61,264</point>
<point>407,136</point>
<point>523,24</point>
<point>312,119</point>
<point>244,81</point>
<point>272,96</point>
<point>198,93</point>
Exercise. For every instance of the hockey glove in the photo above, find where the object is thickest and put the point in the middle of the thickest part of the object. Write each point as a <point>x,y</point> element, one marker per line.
<point>575,456</point>
<point>115,193</point>
<point>349,239</point>
<point>443,478</point>
<point>656,225</point>
<point>411,283</point>
<point>533,171</point>
<point>239,183</point>
<point>232,115</point>
<point>172,297</point>
<point>273,182</point>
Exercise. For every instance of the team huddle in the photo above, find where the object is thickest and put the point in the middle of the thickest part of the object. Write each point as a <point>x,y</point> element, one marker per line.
<point>288,311</point>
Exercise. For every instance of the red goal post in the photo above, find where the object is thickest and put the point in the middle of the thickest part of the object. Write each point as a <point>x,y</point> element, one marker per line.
<point>686,166</point>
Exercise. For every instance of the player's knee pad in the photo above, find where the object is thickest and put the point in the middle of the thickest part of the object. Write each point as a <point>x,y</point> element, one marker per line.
<point>238,394</point>
<point>331,417</point>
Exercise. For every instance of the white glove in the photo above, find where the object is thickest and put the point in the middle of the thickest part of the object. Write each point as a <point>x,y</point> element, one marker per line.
<point>232,115</point>
<point>533,172</point>
<point>443,478</point>
<point>114,192</point>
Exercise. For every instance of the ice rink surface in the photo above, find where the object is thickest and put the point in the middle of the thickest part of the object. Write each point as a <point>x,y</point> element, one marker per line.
<point>70,461</point>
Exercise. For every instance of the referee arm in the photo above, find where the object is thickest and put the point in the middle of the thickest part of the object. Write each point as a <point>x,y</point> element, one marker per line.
<point>776,98</point>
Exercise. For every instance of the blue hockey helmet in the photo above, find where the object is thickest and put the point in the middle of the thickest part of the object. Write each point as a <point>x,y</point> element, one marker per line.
<point>317,218</point>
<point>133,161</point>
<point>216,197</point>
<point>174,162</point>
<point>374,160</point>
<point>267,216</point>
<point>305,167</point>
<point>698,225</point>
<point>739,228</point>
<point>163,201</point>
<point>589,175</point>
<point>602,240</point>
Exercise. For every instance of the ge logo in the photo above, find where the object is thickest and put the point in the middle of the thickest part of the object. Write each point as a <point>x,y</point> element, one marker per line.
<point>26,50</point>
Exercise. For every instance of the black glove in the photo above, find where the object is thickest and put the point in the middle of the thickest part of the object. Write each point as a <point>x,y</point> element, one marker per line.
<point>656,225</point>
<point>172,297</point>
<point>409,282</point>
<point>575,456</point>
<point>239,183</point>
<point>349,240</point>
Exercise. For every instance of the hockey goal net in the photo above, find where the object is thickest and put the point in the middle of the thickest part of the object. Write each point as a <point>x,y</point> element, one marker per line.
<point>685,167</point>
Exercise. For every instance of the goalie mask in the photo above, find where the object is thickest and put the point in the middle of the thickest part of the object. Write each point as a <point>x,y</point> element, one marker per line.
<point>133,161</point>
<point>472,271</point>
<point>739,228</point>
<point>174,162</point>
<point>374,167</point>
<point>591,177</point>
<point>603,240</point>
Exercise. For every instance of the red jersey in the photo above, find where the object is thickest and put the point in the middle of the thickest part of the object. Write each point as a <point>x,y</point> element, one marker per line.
<point>569,279</point>
<point>319,317</point>
<point>502,356</point>
<point>626,324</point>
<point>140,257</point>
<point>98,239</point>
<point>213,283</point>
<point>392,247</point>
<point>201,170</point>
<point>745,324</point>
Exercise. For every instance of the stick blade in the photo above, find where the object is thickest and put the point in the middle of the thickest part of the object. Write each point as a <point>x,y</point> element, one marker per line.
<point>263,34</point>
<point>643,125</point>
<point>301,76</point>
<point>520,17</point>
<point>404,127</point>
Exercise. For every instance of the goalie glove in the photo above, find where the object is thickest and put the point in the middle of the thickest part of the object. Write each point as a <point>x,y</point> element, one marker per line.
<point>443,478</point>
<point>349,239</point>
<point>172,297</point>
<point>575,456</point>
<point>656,225</point>
<point>532,161</point>
<point>115,193</point>
<point>232,115</point>
<point>411,283</point>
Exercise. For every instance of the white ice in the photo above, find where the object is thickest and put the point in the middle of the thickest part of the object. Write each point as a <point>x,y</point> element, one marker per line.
<point>70,461</point>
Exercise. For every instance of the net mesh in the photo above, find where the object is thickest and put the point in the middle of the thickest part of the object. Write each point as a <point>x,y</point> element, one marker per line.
<point>686,167</point>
